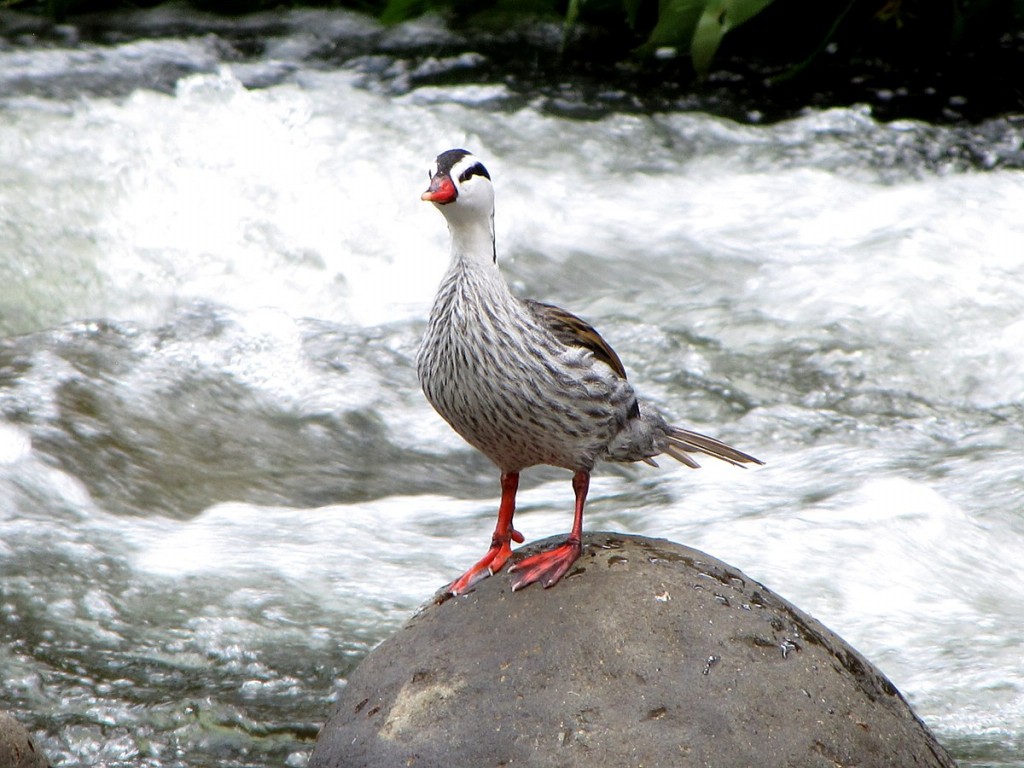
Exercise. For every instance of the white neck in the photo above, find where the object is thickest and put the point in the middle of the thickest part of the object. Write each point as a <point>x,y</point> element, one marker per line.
<point>472,240</point>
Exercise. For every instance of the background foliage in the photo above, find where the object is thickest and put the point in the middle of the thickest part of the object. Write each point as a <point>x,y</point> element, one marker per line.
<point>784,33</point>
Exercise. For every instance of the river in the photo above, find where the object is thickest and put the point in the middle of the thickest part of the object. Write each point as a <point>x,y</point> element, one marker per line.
<point>220,485</point>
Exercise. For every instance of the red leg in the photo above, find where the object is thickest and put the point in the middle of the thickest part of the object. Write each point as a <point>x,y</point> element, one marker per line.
<point>548,567</point>
<point>504,534</point>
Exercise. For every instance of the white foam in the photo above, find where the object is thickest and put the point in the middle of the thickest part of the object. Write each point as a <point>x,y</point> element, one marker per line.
<point>15,444</point>
<point>822,278</point>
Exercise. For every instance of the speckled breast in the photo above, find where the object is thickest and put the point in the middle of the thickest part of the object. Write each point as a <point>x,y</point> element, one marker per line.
<point>512,390</point>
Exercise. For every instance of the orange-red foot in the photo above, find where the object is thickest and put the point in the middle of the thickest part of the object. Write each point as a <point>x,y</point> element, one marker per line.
<point>546,567</point>
<point>490,564</point>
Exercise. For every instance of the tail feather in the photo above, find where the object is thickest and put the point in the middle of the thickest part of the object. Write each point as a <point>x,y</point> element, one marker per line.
<point>680,443</point>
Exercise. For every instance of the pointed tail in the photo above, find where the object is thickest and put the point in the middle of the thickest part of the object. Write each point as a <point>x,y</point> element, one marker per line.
<point>680,443</point>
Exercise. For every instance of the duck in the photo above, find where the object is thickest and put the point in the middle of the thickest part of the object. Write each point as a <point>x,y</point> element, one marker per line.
<point>528,383</point>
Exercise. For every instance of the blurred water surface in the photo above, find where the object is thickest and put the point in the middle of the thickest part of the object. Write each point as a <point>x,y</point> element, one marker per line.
<point>220,485</point>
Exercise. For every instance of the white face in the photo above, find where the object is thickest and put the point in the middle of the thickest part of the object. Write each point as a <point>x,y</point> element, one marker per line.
<point>474,185</point>
<point>460,186</point>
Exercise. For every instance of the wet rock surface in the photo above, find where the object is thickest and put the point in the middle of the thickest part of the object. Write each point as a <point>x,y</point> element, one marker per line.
<point>17,750</point>
<point>773,69</point>
<point>647,654</point>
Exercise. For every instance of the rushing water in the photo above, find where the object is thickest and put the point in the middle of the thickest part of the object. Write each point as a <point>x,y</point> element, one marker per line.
<point>220,485</point>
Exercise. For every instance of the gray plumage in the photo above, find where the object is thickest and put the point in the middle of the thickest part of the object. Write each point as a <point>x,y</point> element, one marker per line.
<point>527,383</point>
<point>520,380</point>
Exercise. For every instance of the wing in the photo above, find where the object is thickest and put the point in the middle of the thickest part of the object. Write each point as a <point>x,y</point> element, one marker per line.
<point>573,332</point>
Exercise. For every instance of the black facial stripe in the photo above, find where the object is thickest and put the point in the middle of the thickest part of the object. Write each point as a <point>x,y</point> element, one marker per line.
<point>477,169</point>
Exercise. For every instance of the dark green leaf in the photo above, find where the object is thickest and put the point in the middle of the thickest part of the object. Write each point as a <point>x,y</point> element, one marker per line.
<point>676,22</point>
<point>400,10</point>
<point>698,26</point>
<point>632,9</point>
<point>707,36</point>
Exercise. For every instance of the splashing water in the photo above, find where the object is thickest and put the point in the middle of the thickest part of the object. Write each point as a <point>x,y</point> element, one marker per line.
<point>220,486</point>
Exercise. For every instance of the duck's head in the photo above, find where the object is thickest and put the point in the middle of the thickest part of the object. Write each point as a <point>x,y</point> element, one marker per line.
<point>460,186</point>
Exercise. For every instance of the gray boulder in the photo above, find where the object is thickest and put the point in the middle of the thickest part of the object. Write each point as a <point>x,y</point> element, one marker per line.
<point>647,654</point>
<point>16,747</point>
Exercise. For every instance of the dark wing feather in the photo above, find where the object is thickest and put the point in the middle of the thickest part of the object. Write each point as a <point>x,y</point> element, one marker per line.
<point>679,443</point>
<point>573,332</point>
